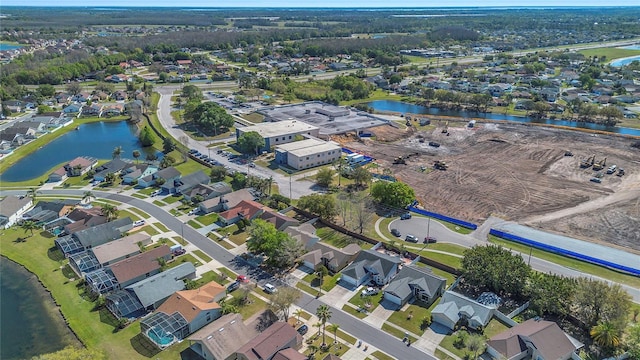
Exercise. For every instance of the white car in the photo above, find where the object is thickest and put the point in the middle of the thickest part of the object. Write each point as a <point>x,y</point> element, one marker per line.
<point>270,289</point>
<point>138,223</point>
<point>369,291</point>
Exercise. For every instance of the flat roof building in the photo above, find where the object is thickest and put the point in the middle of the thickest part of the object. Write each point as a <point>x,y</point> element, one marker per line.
<point>281,132</point>
<point>307,153</point>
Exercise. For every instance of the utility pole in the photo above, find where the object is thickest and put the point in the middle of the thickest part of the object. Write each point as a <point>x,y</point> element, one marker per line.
<point>290,197</point>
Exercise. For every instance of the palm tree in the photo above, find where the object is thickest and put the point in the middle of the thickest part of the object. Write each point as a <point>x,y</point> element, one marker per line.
<point>226,307</point>
<point>324,314</point>
<point>33,194</point>
<point>110,178</point>
<point>117,151</point>
<point>314,349</point>
<point>334,329</point>
<point>29,225</point>
<point>298,313</point>
<point>136,155</point>
<point>606,335</point>
<point>319,326</point>
<point>109,211</point>
<point>475,343</point>
<point>87,195</point>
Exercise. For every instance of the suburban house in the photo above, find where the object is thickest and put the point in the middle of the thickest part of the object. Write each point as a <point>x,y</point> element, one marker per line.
<point>222,338</point>
<point>83,218</point>
<point>534,339</point>
<point>414,282</point>
<point>133,269</point>
<point>280,221</point>
<point>454,308</point>
<point>94,236</point>
<point>72,109</point>
<point>225,201</point>
<point>76,167</point>
<point>114,166</point>
<point>331,257</point>
<point>305,234</point>
<point>120,95</point>
<point>246,209</point>
<point>120,249</point>
<point>12,208</point>
<point>133,173</point>
<point>46,211</point>
<point>168,175</point>
<point>207,191</point>
<point>92,110</point>
<point>275,339</point>
<point>188,182</point>
<point>148,294</point>
<point>371,265</point>
<point>113,110</point>
<point>183,313</point>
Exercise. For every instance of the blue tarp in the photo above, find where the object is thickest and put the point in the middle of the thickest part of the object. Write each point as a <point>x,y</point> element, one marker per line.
<point>557,250</point>
<point>462,223</point>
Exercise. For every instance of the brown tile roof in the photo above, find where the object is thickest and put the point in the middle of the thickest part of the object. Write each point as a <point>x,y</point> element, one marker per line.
<point>189,303</point>
<point>82,161</point>
<point>289,354</point>
<point>140,264</point>
<point>269,342</point>
<point>546,336</point>
<point>248,208</point>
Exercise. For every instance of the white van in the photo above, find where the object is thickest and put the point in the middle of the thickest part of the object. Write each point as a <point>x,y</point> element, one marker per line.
<point>270,289</point>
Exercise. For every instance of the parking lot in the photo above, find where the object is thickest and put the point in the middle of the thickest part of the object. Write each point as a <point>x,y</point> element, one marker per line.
<point>421,227</point>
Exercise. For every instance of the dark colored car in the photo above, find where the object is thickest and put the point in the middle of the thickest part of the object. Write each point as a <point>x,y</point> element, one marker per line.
<point>405,216</point>
<point>395,232</point>
<point>233,286</point>
<point>430,240</point>
<point>303,329</point>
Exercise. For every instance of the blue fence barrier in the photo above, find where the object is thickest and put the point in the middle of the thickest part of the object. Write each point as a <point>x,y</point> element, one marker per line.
<point>462,223</point>
<point>560,251</point>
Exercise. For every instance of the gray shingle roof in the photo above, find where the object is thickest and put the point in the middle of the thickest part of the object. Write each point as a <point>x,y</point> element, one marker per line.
<point>160,286</point>
<point>379,263</point>
<point>411,277</point>
<point>11,204</point>
<point>103,233</point>
<point>189,181</point>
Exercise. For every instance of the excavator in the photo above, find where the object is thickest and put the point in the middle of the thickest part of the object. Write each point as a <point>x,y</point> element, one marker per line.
<point>588,162</point>
<point>440,165</point>
<point>445,130</point>
<point>399,160</point>
<point>600,165</point>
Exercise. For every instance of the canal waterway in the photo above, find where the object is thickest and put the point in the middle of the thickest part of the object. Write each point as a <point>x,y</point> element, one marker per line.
<point>4,46</point>
<point>402,107</point>
<point>96,139</point>
<point>30,322</point>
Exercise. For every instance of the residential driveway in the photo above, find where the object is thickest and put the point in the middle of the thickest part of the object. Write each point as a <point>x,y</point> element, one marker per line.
<point>338,296</point>
<point>421,226</point>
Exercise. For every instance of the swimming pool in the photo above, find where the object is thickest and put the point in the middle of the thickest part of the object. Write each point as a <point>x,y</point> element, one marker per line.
<point>160,337</point>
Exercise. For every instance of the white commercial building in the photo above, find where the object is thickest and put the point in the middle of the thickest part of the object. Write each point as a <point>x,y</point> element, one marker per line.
<point>307,153</point>
<point>278,133</point>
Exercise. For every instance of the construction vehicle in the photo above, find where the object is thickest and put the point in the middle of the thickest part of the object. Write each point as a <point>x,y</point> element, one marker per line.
<point>400,161</point>
<point>440,165</point>
<point>588,162</point>
<point>445,130</point>
<point>612,169</point>
<point>568,153</point>
<point>600,165</point>
<point>620,172</point>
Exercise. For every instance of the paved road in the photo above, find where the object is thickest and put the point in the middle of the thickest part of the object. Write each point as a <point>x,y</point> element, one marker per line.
<point>295,187</point>
<point>347,322</point>
<point>418,226</point>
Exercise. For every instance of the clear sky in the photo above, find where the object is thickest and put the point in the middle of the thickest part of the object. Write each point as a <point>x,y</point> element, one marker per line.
<point>325,3</point>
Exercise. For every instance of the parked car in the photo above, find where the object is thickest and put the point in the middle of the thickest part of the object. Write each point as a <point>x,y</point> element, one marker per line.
<point>233,286</point>
<point>411,238</point>
<point>405,216</point>
<point>138,223</point>
<point>156,193</point>
<point>270,289</point>
<point>596,180</point>
<point>179,252</point>
<point>242,279</point>
<point>369,291</point>
<point>395,232</point>
<point>303,329</point>
<point>193,211</point>
<point>430,240</point>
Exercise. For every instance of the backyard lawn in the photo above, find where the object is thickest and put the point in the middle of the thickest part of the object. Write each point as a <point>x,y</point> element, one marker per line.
<point>412,318</point>
<point>207,219</point>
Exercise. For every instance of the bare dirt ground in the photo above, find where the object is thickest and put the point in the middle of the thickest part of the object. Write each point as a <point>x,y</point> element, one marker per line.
<point>520,173</point>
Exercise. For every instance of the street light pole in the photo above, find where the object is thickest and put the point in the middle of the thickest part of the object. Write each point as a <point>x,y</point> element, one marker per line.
<point>290,197</point>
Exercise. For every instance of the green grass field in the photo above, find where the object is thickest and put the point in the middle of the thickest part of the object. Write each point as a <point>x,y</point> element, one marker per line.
<point>610,53</point>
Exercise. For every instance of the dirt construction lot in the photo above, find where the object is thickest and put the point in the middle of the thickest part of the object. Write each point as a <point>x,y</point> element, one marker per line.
<point>520,173</point>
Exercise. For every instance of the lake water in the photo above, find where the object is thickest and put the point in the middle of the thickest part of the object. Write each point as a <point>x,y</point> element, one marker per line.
<point>96,139</point>
<point>30,322</point>
<point>625,61</point>
<point>5,46</point>
<point>402,107</point>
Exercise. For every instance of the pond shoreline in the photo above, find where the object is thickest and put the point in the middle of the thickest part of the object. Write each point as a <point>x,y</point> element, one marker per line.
<point>50,303</point>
